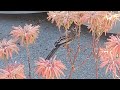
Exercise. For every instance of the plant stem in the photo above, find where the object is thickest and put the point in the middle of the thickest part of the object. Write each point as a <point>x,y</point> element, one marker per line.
<point>97,69</point>
<point>6,62</point>
<point>75,56</point>
<point>71,71</point>
<point>95,54</point>
<point>118,73</point>
<point>28,56</point>
<point>84,61</point>
<point>69,51</point>
<point>72,65</point>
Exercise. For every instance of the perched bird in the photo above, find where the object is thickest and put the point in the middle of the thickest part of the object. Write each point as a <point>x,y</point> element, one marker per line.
<point>63,40</point>
<point>66,39</point>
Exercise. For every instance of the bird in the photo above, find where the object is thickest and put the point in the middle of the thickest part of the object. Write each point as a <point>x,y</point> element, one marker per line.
<point>63,40</point>
<point>66,37</point>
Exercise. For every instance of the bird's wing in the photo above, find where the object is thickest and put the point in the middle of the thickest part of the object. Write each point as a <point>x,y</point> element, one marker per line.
<point>62,39</point>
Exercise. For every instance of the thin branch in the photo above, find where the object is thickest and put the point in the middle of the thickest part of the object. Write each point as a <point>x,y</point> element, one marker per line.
<point>28,56</point>
<point>80,65</point>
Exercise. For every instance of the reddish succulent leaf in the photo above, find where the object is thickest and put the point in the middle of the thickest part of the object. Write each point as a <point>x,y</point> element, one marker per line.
<point>27,34</point>
<point>14,71</point>
<point>7,48</point>
<point>49,69</point>
<point>110,55</point>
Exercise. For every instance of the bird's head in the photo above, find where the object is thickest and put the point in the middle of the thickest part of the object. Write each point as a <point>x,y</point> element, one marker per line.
<point>75,29</point>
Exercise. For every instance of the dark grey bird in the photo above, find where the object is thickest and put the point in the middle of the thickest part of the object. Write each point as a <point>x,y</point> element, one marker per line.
<point>65,39</point>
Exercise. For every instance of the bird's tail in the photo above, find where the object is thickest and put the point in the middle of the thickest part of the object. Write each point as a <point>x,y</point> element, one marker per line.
<point>52,52</point>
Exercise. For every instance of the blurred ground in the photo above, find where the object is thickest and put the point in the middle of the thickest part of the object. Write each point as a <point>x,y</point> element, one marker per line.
<point>49,33</point>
